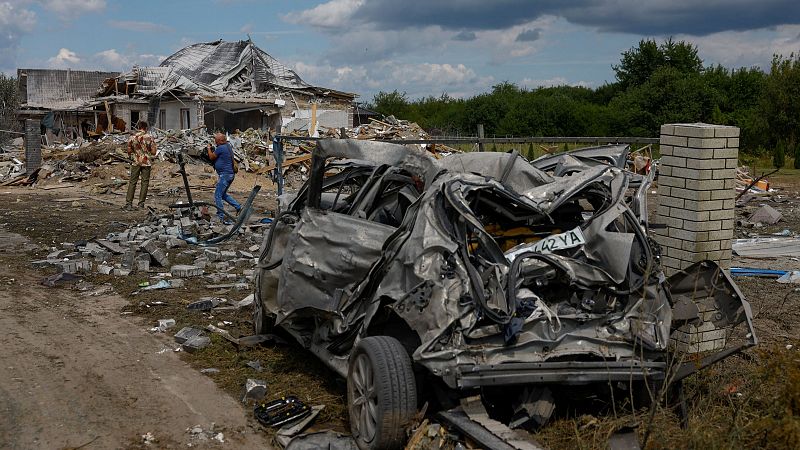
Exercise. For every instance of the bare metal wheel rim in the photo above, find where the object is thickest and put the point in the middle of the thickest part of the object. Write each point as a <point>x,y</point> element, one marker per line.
<point>363,399</point>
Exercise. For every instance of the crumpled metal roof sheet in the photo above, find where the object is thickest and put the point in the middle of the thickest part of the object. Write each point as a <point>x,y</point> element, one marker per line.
<point>224,67</point>
<point>61,89</point>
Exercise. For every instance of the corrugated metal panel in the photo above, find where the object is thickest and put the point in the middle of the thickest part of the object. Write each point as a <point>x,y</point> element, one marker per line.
<point>62,89</point>
<point>230,67</point>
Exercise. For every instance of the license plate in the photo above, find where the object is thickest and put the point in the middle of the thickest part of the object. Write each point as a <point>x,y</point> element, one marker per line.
<point>568,239</point>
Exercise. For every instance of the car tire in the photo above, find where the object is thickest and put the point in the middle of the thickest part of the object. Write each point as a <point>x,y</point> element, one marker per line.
<point>381,393</point>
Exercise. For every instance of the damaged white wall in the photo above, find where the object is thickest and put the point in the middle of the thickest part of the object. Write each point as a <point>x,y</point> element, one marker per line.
<point>174,115</point>
<point>333,118</point>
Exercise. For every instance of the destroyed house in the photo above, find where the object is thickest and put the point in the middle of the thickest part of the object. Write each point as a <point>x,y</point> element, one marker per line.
<point>61,99</point>
<point>224,86</point>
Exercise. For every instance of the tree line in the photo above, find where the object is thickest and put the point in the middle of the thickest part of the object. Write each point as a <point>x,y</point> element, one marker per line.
<point>656,83</point>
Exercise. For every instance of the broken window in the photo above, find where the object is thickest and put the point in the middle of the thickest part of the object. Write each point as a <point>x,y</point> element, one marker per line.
<point>186,122</point>
<point>162,119</point>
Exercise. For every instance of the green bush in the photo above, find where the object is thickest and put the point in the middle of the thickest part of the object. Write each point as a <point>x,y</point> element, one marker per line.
<point>532,154</point>
<point>797,156</point>
<point>779,155</point>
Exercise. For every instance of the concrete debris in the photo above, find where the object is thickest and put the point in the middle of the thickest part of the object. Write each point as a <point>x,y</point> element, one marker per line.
<point>199,435</point>
<point>186,271</point>
<point>210,371</point>
<point>148,438</point>
<point>196,343</point>
<point>255,365</point>
<point>790,277</point>
<point>75,266</point>
<point>163,325</point>
<point>187,333</point>
<point>254,390</point>
<point>245,302</point>
<point>205,303</point>
<point>159,256</point>
<point>766,214</point>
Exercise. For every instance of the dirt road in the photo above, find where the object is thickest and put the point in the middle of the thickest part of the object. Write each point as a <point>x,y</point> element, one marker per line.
<point>73,371</point>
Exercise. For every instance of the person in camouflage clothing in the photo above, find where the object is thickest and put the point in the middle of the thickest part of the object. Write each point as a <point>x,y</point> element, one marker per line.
<point>142,149</point>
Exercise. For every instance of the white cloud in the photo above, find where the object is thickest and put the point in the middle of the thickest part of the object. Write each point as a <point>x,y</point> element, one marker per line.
<point>72,8</point>
<point>747,48</point>
<point>417,80</point>
<point>15,22</point>
<point>112,57</point>
<point>335,14</point>
<point>64,58</point>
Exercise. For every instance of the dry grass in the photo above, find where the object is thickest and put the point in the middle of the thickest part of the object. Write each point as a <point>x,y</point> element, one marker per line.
<point>744,402</point>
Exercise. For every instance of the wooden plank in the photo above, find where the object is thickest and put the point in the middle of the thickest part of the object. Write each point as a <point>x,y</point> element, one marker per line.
<point>57,186</point>
<point>286,163</point>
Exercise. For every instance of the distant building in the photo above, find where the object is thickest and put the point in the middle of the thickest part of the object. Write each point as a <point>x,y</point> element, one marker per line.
<point>224,86</point>
<point>61,99</point>
<point>217,85</point>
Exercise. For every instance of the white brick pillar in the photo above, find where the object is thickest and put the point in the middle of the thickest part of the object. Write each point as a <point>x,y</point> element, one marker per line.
<point>696,191</point>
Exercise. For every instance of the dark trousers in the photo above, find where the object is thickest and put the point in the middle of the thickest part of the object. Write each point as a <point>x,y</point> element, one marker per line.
<point>136,171</point>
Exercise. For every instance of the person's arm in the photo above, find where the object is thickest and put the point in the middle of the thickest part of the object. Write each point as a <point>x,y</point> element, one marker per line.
<point>152,146</point>
<point>130,146</point>
<point>211,154</point>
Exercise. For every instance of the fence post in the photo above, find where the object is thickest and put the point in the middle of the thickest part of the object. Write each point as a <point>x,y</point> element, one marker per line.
<point>480,136</point>
<point>33,146</point>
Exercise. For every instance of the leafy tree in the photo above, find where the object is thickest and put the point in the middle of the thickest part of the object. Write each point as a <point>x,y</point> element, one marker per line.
<point>639,63</point>
<point>779,155</point>
<point>9,103</point>
<point>391,103</point>
<point>779,103</point>
<point>796,155</point>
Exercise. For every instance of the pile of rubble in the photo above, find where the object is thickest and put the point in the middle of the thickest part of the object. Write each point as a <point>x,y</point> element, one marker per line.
<point>74,161</point>
<point>159,250</point>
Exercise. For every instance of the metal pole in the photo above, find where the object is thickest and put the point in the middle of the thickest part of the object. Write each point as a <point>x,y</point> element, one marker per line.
<point>277,152</point>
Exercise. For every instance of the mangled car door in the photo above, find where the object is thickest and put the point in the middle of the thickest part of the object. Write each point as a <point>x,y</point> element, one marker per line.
<point>326,253</point>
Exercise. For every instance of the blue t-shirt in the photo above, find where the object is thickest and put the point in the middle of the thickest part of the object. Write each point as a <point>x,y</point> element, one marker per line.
<point>224,162</point>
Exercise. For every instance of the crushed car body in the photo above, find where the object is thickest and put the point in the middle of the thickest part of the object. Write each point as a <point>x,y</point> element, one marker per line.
<point>487,270</point>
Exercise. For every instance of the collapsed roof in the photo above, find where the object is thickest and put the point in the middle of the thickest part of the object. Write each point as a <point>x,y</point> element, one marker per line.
<point>217,68</point>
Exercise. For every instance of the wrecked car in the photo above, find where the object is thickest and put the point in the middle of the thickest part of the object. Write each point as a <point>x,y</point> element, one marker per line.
<point>420,278</point>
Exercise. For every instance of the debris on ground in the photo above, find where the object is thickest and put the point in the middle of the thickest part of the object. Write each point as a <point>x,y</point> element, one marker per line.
<point>756,272</point>
<point>790,277</point>
<point>163,325</point>
<point>199,435</point>
<point>766,214</point>
<point>766,247</point>
<point>280,412</point>
<point>254,390</point>
<point>75,161</point>
<point>330,440</point>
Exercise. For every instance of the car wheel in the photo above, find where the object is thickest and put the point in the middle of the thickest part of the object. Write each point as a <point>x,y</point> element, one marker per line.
<point>381,393</point>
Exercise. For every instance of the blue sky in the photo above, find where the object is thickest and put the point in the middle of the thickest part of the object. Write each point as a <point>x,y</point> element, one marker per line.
<point>422,47</point>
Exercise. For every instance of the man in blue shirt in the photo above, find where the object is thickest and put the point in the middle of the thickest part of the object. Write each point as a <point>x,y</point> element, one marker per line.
<point>222,157</point>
